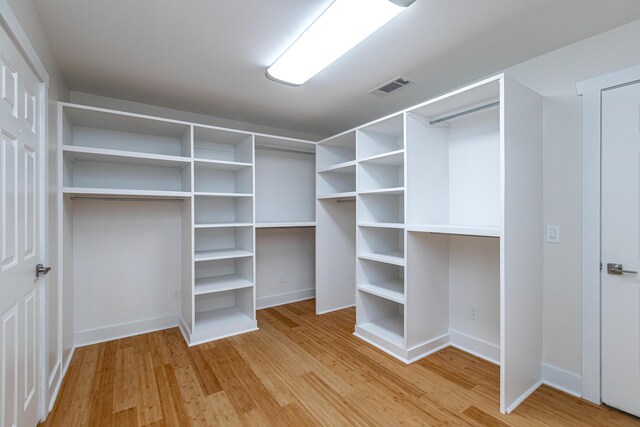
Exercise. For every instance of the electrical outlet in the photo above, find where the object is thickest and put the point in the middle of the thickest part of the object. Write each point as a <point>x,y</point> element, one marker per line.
<point>175,294</point>
<point>282,278</point>
<point>473,313</point>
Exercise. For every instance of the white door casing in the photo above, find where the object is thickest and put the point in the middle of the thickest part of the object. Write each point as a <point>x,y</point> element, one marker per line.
<point>620,231</point>
<point>21,236</point>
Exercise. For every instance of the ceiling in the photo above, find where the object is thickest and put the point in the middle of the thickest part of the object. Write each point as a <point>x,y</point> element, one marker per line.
<point>210,56</point>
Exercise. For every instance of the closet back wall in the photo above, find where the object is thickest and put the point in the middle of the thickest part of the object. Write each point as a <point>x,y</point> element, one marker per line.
<point>126,267</point>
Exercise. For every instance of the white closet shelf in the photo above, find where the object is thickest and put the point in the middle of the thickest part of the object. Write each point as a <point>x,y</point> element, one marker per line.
<point>395,257</point>
<point>221,164</point>
<point>390,329</point>
<point>390,191</point>
<point>228,282</point>
<point>123,193</point>
<point>345,195</point>
<point>392,158</point>
<point>223,318</point>
<point>290,224</point>
<point>224,225</point>
<point>381,225</point>
<point>392,290</point>
<point>465,230</point>
<point>345,167</point>
<point>80,153</point>
<point>207,194</point>
<point>216,254</point>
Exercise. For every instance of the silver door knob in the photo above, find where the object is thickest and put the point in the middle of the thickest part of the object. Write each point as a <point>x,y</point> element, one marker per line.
<point>617,269</point>
<point>41,270</point>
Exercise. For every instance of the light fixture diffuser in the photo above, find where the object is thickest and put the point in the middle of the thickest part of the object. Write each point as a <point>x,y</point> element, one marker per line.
<point>341,27</point>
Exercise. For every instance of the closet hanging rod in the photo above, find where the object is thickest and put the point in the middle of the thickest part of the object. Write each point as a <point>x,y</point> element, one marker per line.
<point>126,199</point>
<point>345,200</point>
<point>287,150</point>
<point>465,113</point>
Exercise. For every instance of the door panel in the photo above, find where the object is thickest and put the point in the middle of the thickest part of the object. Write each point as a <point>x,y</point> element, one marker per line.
<point>621,245</point>
<point>21,225</point>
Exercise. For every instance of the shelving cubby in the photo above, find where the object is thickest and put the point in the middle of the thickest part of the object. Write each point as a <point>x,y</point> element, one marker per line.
<point>381,138</point>
<point>381,279</point>
<point>381,209</point>
<point>223,275</point>
<point>336,151</point>
<point>380,321</point>
<point>223,243</point>
<point>381,244</point>
<point>223,178</point>
<point>218,211</point>
<point>222,145</point>
<point>225,313</point>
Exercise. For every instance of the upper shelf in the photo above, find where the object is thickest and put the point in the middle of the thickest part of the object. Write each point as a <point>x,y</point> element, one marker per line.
<point>464,230</point>
<point>78,153</point>
<point>392,158</point>
<point>124,194</point>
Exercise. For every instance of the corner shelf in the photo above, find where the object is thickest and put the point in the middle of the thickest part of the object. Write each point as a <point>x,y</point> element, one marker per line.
<point>227,282</point>
<point>216,254</point>
<point>392,290</point>
<point>463,230</point>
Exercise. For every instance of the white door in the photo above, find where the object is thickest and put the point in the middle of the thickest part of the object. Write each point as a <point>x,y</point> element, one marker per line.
<point>621,246</point>
<point>20,240</point>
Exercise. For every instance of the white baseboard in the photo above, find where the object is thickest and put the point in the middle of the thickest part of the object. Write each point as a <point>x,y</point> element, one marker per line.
<point>331,310</point>
<point>562,380</point>
<point>482,349</point>
<point>56,390</point>
<point>425,349</point>
<point>285,298</point>
<point>114,332</point>
<point>524,396</point>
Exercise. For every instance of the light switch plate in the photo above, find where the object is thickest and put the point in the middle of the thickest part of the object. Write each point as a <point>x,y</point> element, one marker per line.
<point>553,234</point>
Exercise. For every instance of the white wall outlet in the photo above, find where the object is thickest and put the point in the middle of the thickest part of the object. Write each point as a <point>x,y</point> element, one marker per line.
<point>175,294</point>
<point>553,234</point>
<point>474,313</point>
<point>282,278</point>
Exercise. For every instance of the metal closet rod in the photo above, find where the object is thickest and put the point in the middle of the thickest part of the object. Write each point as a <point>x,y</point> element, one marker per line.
<point>287,150</point>
<point>126,199</point>
<point>465,113</point>
<point>345,200</point>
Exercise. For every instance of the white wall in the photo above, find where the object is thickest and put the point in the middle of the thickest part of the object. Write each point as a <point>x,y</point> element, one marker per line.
<point>127,265</point>
<point>288,251</point>
<point>554,75</point>
<point>29,19</point>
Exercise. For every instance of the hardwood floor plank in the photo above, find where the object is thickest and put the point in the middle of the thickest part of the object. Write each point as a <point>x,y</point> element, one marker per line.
<point>299,369</point>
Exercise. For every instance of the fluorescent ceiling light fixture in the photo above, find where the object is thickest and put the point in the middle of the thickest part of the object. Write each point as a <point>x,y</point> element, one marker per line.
<point>341,27</point>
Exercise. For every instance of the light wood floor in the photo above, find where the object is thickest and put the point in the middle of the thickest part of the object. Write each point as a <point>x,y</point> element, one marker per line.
<point>299,369</point>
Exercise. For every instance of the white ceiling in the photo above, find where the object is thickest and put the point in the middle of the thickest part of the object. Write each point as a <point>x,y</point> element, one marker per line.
<point>210,56</point>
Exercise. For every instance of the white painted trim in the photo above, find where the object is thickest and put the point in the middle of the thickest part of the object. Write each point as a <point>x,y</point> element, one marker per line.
<point>285,298</point>
<point>591,175</point>
<point>334,309</point>
<point>230,334</point>
<point>524,396</point>
<point>562,380</point>
<point>123,330</point>
<point>428,348</point>
<point>477,347</point>
<point>54,395</point>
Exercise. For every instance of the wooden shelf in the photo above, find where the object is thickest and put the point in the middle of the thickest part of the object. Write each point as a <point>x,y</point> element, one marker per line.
<point>125,194</point>
<point>224,225</point>
<point>392,158</point>
<point>464,230</point>
<point>228,282</point>
<point>221,164</point>
<point>389,191</point>
<point>390,329</point>
<point>345,167</point>
<point>216,254</point>
<point>90,154</point>
<point>285,224</point>
<point>392,290</point>
<point>221,318</point>
<point>395,257</point>
<point>347,195</point>
<point>381,225</point>
<point>206,194</point>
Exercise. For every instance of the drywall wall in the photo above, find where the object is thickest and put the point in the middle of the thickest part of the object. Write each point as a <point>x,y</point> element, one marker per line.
<point>285,265</point>
<point>27,14</point>
<point>127,268</point>
<point>554,75</point>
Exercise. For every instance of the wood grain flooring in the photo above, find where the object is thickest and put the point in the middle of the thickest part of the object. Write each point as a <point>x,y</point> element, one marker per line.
<point>299,369</point>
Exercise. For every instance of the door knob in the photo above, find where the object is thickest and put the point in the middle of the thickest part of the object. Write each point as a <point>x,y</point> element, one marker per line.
<point>41,270</point>
<point>617,269</point>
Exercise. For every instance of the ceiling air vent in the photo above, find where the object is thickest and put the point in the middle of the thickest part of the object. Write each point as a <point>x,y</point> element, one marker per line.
<point>389,87</point>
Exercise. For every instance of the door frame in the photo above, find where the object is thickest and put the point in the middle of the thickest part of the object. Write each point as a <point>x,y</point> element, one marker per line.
<point>10,23</point>
<point>591,92</point>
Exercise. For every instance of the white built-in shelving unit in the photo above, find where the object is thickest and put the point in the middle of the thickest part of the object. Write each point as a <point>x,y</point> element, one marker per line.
<point>111,155</point>
<point>449,225</point>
